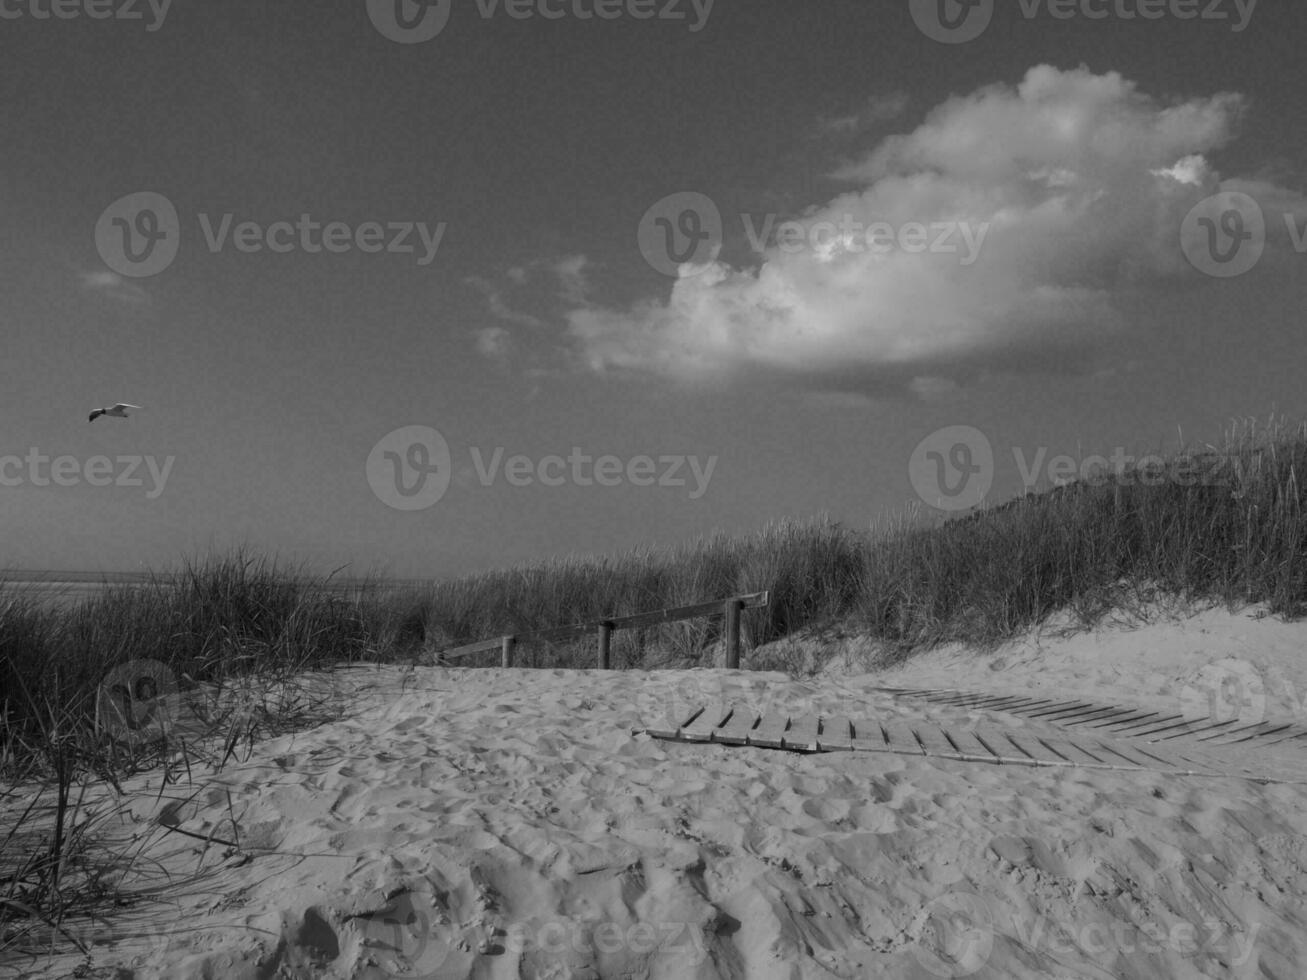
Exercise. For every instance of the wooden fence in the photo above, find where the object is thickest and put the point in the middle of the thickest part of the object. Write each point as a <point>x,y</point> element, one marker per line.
<point>730,608</point>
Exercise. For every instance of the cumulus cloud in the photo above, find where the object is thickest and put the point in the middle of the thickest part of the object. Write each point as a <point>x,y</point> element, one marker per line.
<point>1070,186</point>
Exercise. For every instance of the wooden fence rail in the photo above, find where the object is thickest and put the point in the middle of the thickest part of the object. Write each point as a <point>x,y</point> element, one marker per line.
<point>730,608</point>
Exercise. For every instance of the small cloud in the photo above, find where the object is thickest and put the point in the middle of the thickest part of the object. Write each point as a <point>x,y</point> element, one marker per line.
<point>878,109</point>
<point>493,342</point>
<point>574,285</point>
<point>115,287</point>
<point>499,306</point>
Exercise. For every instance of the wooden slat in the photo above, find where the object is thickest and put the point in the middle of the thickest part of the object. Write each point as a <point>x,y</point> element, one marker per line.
<point>736,731</point>
<point>1120,723</point>
<point>1250,733</point>
<point>483,646</point>
<point>1032,748</point>
<point>702,728</point>
<point>1061,715</point>
<point>1000,748</point>
<point>770,733</point>
<point>898,736</point>
<point>1095,716</point>
<point>836,734</point>
<point>714,608</point>
<point>933,741</point>
<point>670,727</point>
<point>1119,753</point>
<point>802,733</point>
<point>970,747</point>
<point>1074,753</point>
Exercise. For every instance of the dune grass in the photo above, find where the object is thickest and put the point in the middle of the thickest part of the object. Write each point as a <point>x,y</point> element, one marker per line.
<point>1223,524</point>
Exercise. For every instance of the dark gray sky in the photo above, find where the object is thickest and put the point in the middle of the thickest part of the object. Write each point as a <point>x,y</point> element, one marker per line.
<point>1025,239</point>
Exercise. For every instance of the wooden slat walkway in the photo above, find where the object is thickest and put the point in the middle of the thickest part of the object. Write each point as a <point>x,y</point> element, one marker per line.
<point>734,724</point>
<point>1120,722</point>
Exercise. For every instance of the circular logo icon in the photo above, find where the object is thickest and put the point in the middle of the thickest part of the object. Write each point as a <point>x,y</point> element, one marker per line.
<point>411,935</point>
<point>952,468</point>
<point>683,229</point>
<point>138,235</point>
<point>136,702</point>
<point>409,21</point>
<point>952,21</point>
<point>1230,690</point>
<point>409,469</point>
<point>957,937</point>
<point>1224,235</point>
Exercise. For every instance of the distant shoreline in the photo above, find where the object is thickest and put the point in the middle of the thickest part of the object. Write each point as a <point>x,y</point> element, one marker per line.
<point>88,582</point>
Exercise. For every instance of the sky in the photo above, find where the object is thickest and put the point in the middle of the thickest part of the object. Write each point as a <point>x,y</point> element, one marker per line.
<point>430,290</point>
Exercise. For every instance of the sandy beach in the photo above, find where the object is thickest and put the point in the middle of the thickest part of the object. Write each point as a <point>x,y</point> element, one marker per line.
<point>491,823</point>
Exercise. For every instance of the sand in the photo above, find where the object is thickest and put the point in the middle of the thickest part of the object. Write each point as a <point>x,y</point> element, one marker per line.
<point>490,823</point>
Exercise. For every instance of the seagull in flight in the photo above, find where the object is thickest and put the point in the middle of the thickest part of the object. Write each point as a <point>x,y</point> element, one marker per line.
<point>118,411</point>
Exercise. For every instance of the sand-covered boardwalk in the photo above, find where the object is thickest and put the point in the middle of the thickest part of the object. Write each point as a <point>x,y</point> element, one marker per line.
<point>489,823</point>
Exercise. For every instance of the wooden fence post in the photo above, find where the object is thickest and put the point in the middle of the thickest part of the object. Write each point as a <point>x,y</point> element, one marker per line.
<point>507,650</point>
<point>733,607</point>
<point>605,645</point>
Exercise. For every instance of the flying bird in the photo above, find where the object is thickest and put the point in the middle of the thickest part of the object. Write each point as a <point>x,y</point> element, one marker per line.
<point>118,411</point>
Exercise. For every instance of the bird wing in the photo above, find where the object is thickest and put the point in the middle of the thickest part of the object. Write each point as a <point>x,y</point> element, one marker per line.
<point>125,405</point>
<point>96,414</point>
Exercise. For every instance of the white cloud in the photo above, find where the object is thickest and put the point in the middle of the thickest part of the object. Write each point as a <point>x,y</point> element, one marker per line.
<point>1079,182</point>
<point>115,287</point>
